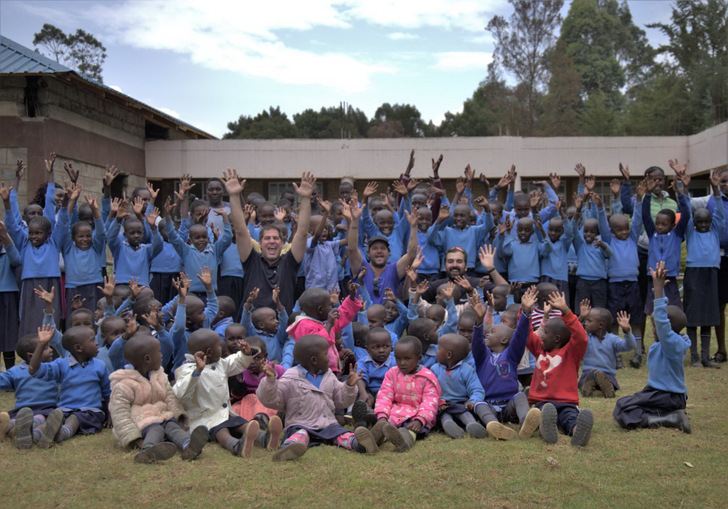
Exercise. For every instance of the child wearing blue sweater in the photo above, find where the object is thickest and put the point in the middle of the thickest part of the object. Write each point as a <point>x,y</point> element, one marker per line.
<point>379,359</point>
<point>554,251</point>
<point>267,324</point>
<point>521,252</point>
<point>460,234</point>
<point>662,402</point>
<point>497,355</point>
<point>34,398</point>
<point>700,284</point>
<point>9,260</point>
<point>592,254</point>
<point>599,369</point>
<point>84,386</point>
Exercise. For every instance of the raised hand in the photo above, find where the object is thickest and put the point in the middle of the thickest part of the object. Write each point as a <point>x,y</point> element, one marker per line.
<point>399,188</point>
<point>459,186</point>
<point>679,169</point>
<point>45,333</point>
<point>152,217</point>
<point>596,199</point>
<point>422,287</point>
<point>436,165</point>
<point>135,287</point>
<point>233,184</point>
<point>715,180</point>
<point>584,307</point>
<point>132,326</point>
<point>528,299</point>
<point>269,371</point>
<point>624,170</point>
<point>352,288</point>
<point>623,321</point>
<point>168,207</point>
<point>463,283</point>
<point>555,181</point>
<point>469,173</point>
<point>200,361</point>
<point>306,187</point>
<point>77,302</point>
<point>205,276</point>
<point>580,170</point>
<point>137,206</point>
<point>412,218</point>
<point>45,296</point>
<point>590,182</point>
<point>152,192</point>
<point>369,190</point>
<point>411,274</point>
<point>476,304</point>
<point>486,254</point>
<point>411,163</point>
<point>412,184</point>
<point>444,213</point>
<point>334,295</point>
<point>448,290</point>
<point>558,301</point>
<point>354,376</point>
<point>641,189</point>
<point>72,173</point>
<point>110,174</point>
<point>251,298</point>
<point>107,290</point>
<point>5,191</point>
<point>48,163</point>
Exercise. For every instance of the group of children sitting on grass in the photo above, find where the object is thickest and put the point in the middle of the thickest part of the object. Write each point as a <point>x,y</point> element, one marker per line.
<point>427,338</point>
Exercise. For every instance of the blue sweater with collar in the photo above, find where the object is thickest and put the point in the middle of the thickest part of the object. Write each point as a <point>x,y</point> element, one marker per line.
<point>666,356</point>
<point>29,391</point>
<point>129,262</point>
<point>459,384</point>
<point>83,386</point>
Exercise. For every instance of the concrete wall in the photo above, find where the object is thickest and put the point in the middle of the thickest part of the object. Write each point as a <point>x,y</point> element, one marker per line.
<point>386,158</point>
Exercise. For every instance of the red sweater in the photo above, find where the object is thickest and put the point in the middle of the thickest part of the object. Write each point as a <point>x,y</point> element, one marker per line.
<point>555,377</point>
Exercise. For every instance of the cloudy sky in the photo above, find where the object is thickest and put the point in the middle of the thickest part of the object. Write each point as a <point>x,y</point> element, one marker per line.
<point>209,61</point>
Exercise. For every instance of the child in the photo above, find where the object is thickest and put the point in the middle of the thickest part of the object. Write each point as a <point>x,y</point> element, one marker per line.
<point>201,386</point>
<point>34,398</point>
<point>320,267</point>
<point>559,350</point>
<point>246,403</point>
<point>164,268</point>
<point>308,394</point>
<point>316,304</point>
<point>554,251</point>
<point>700,285</point>
<point>497,355</point>
<point>461,389</point>
<point>425,330</point>
<point>521,252</point>
<point>408,400</point>
<point>460,234</point>
<point>145,411</point>
<point>84,381</point>
<point>9,260</point>
<point>267,324</point>
<point>592,254</point>
<point>599,369</point>
<point>378,361</point>
<point>224,316</point>
<point>662,401</point>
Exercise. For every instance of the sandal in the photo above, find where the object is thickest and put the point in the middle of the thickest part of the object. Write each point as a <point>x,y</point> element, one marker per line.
<point>719,357</point>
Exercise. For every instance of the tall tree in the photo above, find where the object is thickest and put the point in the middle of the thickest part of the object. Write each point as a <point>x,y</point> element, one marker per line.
<point>266,125</point>
<point>407,115</point>
<point>561,103</point>
<point>332,122</point>
<point>520,45</point>
<point>80,51</point>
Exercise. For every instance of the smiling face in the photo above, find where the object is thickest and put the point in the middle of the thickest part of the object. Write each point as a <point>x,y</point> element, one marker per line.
<point>377,316</point>
<point>455,264</point>
<point>424,219</point>
<point>460,216</point>
<point>266,214</point>
<point>591,230</point>
<point>234,336</point>
<point>385,222</point>
<point>31,211</point>
<point>521,205</point>
<point>392,311</point>
<point>267,320</point>
<point>378,254</point>
<point>659,177</point>
<point>37,235</point>
<point>498,337</point>
<point>724,182</point>
<point>198,236</point>
<point>619,225</point>
<point>556,229</point>
<point>419,201</point>
<point>270,244</point>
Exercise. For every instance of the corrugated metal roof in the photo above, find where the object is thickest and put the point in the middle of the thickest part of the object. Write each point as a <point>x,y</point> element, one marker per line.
<point>17,59</point>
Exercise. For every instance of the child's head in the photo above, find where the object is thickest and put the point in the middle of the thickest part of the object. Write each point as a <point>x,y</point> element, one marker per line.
<point>31,211</point>
<point>316,303</point>
<point>99,314</point>
<point>619,224</point>
<point>345,189</point>
<point>337,212</point>
<point>234,335</point>
<point>678,321</point>
<point>112,328</point>
<point>664,221</point>
<point>81,343</point>
<point>571,212</point>
<point>375,205</point>
<point>509,318</point>
<point>460,216</point>
<point>199,211</point>
<point>440,295</point>
<point>524,229</point>
<point>436,313</point>
<point>392,311</point>
<point>472,217</point>
<point>658,175</point>
<point>312,352</point>
<point>724,181</point>
<point>226,306</point>
<point>285,206</point>
<point>133,232</point>
<point>544,290</point>
<point>423,329</point>
<point>199,237</point>
<point>376,316</point>
<point>424,219</point>
<point>265,320</point>
<point>419,201</point>
<point>556,229</point>
<point>554,334</point>
<point>408,354</point>
<point>82,317</point>
<point>148,306</point>
<point>39,229</point>
<point>379,344</point>
<point>26,346</point>
<point>496,209</point>
<point>466,323</point>
<point>591,230</point>
<point>195,312</point>
<point>206,341</point>
<point>259,350</point>
<point>122,292</point>
<point>702,219</point>
<point>384,220</point>
<point>498,337</point>
<point>143,193</point>
<point>500,297</point>
<point>598,321</point>
<point>266,213</point>
<point>451,349</point>
<point>255,199</point>
<point>82,235</point>
<point>521,205</point>
<point>144,352</point>
<point>360,333</point>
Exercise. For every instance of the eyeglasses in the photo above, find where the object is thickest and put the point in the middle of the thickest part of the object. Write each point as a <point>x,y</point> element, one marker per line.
<point>375,283</point>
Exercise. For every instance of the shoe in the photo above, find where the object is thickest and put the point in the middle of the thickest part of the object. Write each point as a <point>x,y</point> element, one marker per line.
<point>4,424</point>
<point>402,442</point>
<point>549,428</point>
<point>245,444</point>
<point>719,357</point>
<point>198,439</point>
<point>53,424</point>
<point>500,431</point>
<point>707,363</point>
<point>583,428</point>
<point>275,428</point>
<point>158,452</point>
<point>24,428</point>
<point>696,364</point>
<point>604,384</point>
<point>378,433</point>
<point>367,444</point>
<point>677,419</point>
<point>359,413</point>
<point>476,430</point>
<point>636,361</point>
<point>291,451</point>
<point>530,424</point>
<point>452,429</point>
<point>618,364</point>
<point>590,385</point>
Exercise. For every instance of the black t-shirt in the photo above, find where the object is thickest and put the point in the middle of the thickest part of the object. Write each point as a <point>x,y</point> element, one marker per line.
<point>260,274</point>
<point>431,292</point>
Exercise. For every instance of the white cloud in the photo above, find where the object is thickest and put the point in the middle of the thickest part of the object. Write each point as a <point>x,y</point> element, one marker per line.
<point>462,60</point>
<point>169,112</point>
<point>117,88</point>
<point>401,36</point>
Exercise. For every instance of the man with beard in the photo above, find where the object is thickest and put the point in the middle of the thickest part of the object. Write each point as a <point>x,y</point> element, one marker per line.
<point>269,269</point>
<point>379,274</point>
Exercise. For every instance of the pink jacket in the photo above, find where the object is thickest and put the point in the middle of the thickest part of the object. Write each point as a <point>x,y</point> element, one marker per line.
<point>305,325</point>
<point>137,402</point>
<point>303,403</point>
<point>403,397</point>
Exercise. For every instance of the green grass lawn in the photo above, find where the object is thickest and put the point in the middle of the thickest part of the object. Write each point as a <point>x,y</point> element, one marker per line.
<point>644,468</point>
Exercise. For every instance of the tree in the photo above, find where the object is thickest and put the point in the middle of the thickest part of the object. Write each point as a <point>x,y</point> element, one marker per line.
<point>407,115</point>
<point>520,45</point>
<point>80,51</point>
<point>332,122</point>
<point>561,103</point>
<point>267,125</point>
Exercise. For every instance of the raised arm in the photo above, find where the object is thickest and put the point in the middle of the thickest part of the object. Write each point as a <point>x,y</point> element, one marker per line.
<point>411,253</point>
<point>234,186</point>
<point>352,213</point>
<point>304,191</point>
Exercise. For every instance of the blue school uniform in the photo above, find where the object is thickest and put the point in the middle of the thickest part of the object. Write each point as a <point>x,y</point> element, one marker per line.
<point>600,354</point>
<point>398,239</point>
<point>83,386</point>
<point>195,260</point>
<point>181,335</point>
<point>666,247</point>
<point>665,360</point>
<point>82,267</point>
<point>523,258</point>
<point>469,239</point>
<point>273,342</point>
<point>29,391</point>
<point>554,255</point>
<point>624,262</point>
<point>373,372</point>
<point>459,384</point>
<point>592,261</point>
<point>128,261</point>
<point>319,264</point>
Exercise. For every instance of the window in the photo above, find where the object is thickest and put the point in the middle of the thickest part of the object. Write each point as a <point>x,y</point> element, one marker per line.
<point>276,190</point>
